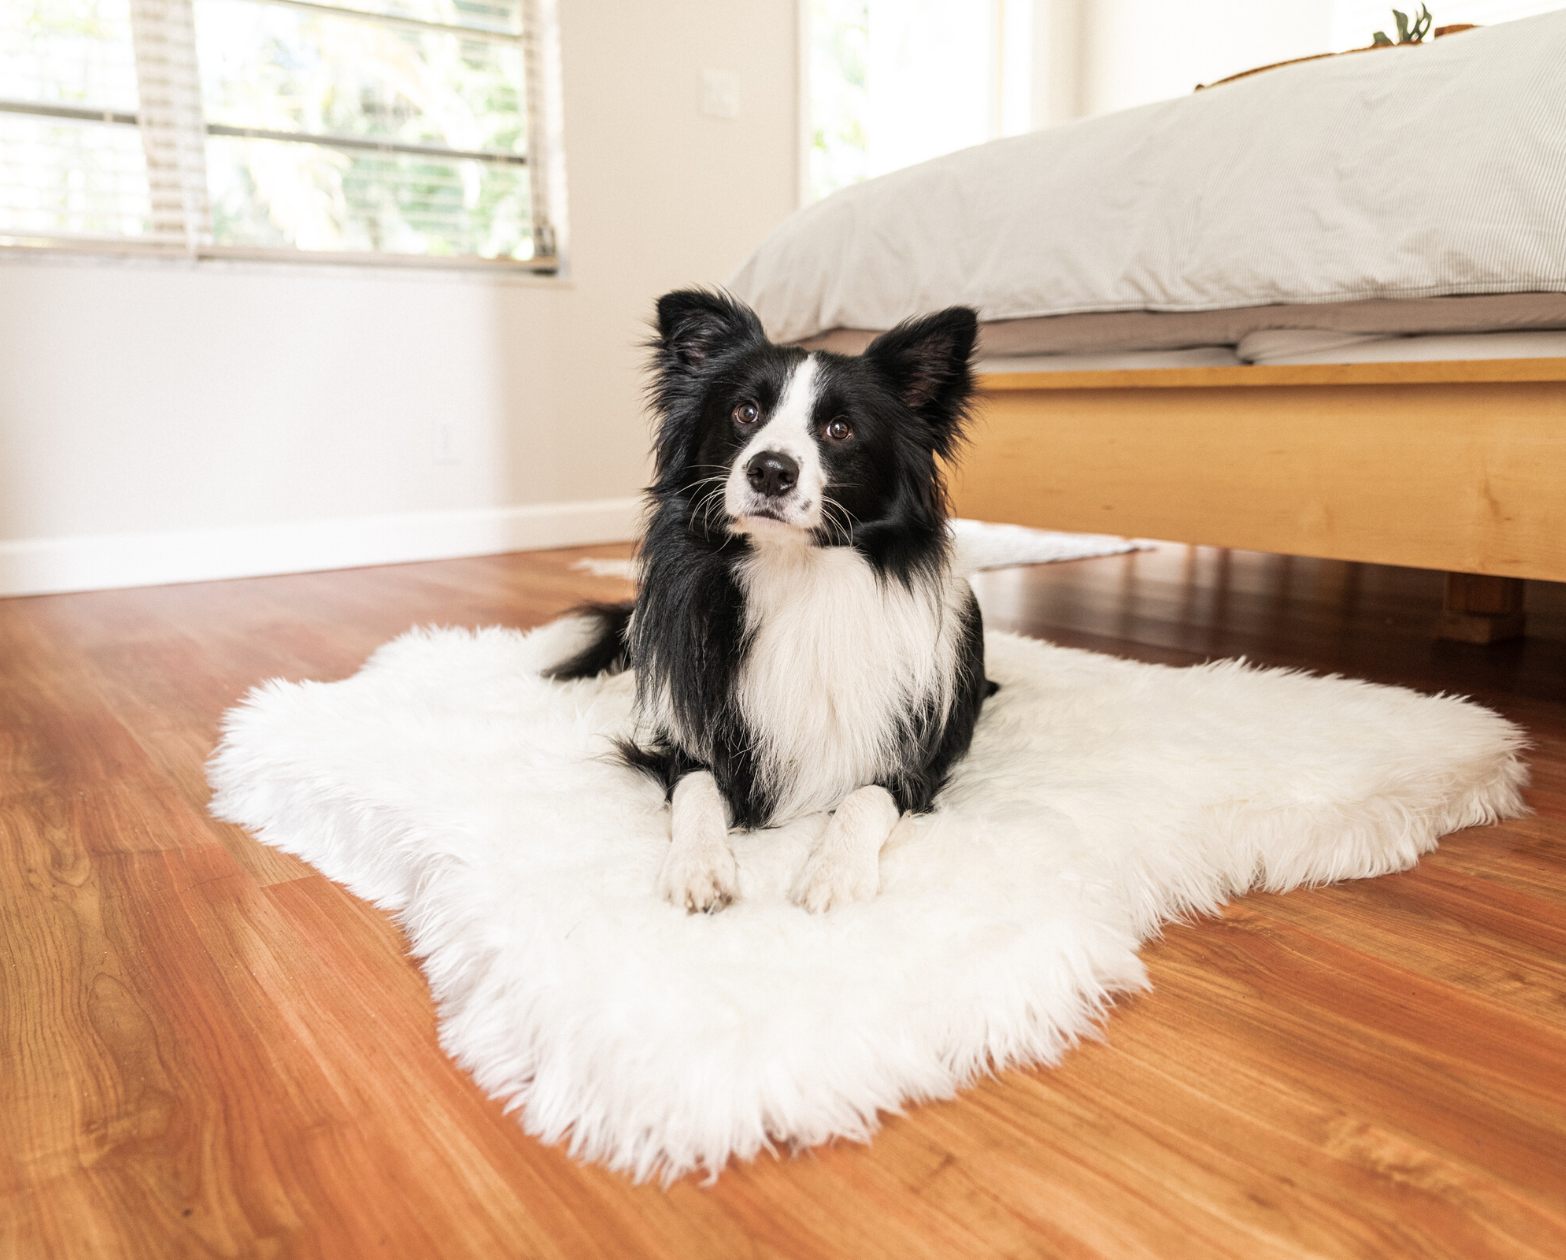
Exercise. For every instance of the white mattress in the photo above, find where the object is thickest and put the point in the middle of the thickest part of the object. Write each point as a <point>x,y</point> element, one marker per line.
<point>1421,171</point>
<point>1277,346</point>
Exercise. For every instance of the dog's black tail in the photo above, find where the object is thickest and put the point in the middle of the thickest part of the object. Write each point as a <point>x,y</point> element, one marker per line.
<point>605,648</point>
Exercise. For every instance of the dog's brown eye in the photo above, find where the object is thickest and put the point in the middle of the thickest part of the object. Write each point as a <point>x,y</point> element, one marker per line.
<point>840,430</point>
<point>747,413</point>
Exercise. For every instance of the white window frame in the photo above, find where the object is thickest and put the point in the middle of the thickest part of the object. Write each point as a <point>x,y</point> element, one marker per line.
<point>174,131</point>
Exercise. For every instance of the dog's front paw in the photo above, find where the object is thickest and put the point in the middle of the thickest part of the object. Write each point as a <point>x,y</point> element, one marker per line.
<point>846,865</point>
<point>835,875</point>
<point>702,880</point>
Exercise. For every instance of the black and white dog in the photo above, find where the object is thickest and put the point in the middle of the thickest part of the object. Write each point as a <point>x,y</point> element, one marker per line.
<point>800,641</point>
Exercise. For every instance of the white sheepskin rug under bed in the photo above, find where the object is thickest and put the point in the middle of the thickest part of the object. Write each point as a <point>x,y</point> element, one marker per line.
<point>448,783</point>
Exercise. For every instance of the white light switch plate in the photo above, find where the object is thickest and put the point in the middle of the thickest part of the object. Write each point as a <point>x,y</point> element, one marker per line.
<point>720,93</point>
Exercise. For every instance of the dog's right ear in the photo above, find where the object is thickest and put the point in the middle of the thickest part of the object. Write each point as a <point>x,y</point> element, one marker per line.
<point>695,324</point>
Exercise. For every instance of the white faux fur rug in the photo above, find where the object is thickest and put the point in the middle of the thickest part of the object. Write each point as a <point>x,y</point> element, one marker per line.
<point>988,545</point>
<point>1101,798</point>
<point>980,545</point>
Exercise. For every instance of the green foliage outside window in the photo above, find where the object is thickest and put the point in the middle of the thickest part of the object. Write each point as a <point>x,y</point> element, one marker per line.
<point>839,55</point>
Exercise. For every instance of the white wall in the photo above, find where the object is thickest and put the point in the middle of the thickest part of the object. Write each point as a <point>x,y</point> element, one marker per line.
<point>1136,51</point>
<point>1096,56</point>
<point>1055,34</point>
<point>170,422</point>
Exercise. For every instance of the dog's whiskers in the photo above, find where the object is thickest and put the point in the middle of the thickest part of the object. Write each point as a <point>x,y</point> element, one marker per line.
<point>702,508</point>
<point>701,512</point>
<point>703,481</point>
<point>839,519</point>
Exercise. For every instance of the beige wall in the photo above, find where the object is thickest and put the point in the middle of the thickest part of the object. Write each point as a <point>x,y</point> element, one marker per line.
<point>142,397</point>
<point>1137,51</point>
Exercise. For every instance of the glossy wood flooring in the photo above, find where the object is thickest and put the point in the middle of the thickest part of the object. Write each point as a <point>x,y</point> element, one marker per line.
<point>211,1051</point>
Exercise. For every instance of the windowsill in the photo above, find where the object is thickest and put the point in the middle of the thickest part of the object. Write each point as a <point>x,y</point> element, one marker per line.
<point>302,262</point>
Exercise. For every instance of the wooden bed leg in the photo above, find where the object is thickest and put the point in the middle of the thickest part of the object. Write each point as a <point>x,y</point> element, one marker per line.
<point>1481,609</point>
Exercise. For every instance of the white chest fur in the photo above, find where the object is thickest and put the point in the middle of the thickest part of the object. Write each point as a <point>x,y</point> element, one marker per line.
<point>839,662</point>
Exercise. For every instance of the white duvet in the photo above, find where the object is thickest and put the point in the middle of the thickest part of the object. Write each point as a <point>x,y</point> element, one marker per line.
<point>1414,172</point>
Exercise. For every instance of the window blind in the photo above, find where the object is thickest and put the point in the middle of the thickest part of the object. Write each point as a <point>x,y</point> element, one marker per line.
<point>405,130</point>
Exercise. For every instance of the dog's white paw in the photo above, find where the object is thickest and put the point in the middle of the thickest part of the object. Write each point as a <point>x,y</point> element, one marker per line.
<point>846,865</point>
<point>836,875</point>
<point>698,871</point>
<point>702,880</point>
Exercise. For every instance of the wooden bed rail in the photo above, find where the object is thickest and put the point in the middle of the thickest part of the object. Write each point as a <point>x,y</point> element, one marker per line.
<point>1456,465</point>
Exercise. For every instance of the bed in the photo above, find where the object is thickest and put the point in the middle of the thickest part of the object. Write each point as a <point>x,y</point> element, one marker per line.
<point>1319,311</point>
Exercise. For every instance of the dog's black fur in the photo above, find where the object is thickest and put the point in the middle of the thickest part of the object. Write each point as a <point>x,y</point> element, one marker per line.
<point>907,400</point>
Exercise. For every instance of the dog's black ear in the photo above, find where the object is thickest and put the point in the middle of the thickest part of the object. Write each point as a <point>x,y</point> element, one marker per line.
<point>694,324</point>
<point>925,362</point>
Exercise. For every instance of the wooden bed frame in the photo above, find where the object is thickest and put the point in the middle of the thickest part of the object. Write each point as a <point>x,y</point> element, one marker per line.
<point>1458,466</point>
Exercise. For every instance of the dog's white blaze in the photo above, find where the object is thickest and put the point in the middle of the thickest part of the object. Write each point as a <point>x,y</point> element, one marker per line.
<point>839,660</point>
<point>787,430</point>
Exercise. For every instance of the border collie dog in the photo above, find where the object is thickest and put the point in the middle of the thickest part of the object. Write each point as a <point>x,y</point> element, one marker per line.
<point>800,641</point>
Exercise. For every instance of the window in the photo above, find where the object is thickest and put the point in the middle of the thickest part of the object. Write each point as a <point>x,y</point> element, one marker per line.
<point>388,130</point>
<point>895,82</point>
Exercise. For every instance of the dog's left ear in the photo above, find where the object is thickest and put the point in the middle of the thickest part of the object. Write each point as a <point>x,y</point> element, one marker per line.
<point>925,361</point>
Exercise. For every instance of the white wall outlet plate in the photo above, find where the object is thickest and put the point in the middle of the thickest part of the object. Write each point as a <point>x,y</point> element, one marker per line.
<point>443,445</point>
<point>720,94</point>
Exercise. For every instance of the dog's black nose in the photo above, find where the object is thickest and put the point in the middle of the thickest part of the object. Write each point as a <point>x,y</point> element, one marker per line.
<point>771,473</point>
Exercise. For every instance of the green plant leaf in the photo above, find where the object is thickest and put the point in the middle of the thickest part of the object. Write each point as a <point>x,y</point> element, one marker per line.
<point>1379,40</point>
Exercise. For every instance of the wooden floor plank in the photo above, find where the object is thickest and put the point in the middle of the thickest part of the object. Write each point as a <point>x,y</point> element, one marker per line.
<point>1453,1073</point>
<point>211,1050</point>
<point>1290,1172</point>
<point>1522,854</point>
<point>1493,941</point>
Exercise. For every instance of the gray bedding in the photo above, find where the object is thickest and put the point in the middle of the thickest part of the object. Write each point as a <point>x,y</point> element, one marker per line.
<point>1417,190</point>
<point>1150,330</point>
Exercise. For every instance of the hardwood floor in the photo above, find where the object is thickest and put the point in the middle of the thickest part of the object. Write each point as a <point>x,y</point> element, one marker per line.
<point>209,1050</point>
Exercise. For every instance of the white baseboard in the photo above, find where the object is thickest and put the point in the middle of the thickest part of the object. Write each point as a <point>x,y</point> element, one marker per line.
<point>47,566</point>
